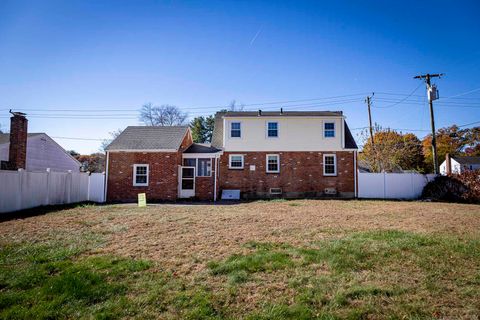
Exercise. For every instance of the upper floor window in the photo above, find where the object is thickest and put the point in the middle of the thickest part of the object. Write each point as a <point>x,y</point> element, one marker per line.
<point>235,130</point>
<point>273,163</point>
<point>329,130</point>
<point>235,161</point>
<point>140,175</point>
<point>272,129</point>
<point>329,165</point>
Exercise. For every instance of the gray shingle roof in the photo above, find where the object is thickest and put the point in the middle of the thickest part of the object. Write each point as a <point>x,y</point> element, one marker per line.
<point>5,137</point>
<point>217,136</point>
<point>282,114</point>
<point>149,138</point>
<point>467,160</point>
<point>201,148</point>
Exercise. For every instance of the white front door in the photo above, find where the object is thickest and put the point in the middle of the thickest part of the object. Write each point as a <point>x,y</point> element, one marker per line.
<point>187,182</point>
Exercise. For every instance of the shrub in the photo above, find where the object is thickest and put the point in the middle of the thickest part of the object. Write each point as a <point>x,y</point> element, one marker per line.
<point>464,187</point>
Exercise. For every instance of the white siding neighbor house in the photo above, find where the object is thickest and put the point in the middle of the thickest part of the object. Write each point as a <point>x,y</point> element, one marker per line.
<point>460,164</point>
<point>42,153</point>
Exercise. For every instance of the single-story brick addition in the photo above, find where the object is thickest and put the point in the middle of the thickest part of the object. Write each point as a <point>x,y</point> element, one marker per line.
<point>291,154</point>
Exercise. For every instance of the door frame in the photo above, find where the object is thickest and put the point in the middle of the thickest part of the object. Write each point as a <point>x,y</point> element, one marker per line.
<point>181,192</point>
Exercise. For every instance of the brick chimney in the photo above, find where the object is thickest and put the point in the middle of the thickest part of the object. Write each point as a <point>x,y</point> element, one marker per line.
<point>448,164</point>
<point>17,156</point>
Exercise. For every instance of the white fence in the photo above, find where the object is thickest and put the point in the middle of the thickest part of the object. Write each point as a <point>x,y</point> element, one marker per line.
<point>392,185</point>
<point>23,189</point>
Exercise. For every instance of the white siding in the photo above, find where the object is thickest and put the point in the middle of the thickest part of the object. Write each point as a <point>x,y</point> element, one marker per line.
<point>43,153</point>
<point>294,134</point>
<point>456,168</point>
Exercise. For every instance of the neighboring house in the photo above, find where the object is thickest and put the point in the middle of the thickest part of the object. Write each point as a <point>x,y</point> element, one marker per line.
<point>33,151</point>
<point>460,164</point>
<point>260,154</point>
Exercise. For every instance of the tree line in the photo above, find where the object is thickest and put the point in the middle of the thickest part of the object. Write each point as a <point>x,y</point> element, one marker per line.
<point>394,151</point>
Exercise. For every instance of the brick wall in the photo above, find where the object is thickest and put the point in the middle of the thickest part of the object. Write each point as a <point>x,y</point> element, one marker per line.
<point>301,175</point>
<point>163,176</point>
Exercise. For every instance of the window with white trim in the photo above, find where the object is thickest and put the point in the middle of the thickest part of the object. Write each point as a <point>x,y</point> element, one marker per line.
<point>273,163</point>
<point>236,130</point>
<point>329,165</point>
<point>235,161</point>
<point>329,129</point>
<point>140,175</point>
<point>272,129</point>
<point>203,166</point>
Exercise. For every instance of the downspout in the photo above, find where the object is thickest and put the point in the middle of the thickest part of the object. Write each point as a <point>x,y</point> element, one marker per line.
<point>106,178</point>
<point>215,182</point>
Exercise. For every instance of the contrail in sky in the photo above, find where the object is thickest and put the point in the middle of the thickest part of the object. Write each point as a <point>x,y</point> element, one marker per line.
<point>256,35</point>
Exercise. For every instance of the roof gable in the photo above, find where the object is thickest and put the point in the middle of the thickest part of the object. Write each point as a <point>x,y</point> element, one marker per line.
<point>149,138</point>
<point>5,137</point>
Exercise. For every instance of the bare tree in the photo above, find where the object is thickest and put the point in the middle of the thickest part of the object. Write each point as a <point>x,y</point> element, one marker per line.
<point>234,106</point>
<point>106,142</point>
<point>164,115</point>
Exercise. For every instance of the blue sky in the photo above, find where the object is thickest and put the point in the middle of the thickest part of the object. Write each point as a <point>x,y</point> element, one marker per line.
<point>108,58</point>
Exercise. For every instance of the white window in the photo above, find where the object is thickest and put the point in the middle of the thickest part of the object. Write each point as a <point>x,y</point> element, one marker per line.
<point>273,163</point>
<point>329,165</point>
<point>272,129</point>
<point>140,175</point>
<point>236,130</point>
<point>203,166</point>
<point>329,129</point>
<point>235,161</point>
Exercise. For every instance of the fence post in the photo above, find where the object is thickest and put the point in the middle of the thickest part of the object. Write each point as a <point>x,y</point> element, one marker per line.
<point>47,198</point>
<point>88,185</point>
<point>20,189</point>
<point>68,185</point>
<point>384,185</point>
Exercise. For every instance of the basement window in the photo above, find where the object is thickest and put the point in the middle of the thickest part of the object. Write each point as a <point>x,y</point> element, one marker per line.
<point>140,175</point>
<point>275,190</point>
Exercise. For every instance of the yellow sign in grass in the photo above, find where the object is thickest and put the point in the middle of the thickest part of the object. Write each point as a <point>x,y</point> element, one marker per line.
<point>142,200</point>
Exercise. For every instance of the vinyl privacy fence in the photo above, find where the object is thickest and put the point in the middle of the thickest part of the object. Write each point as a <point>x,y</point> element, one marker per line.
<point>24,189</point>
<point>392,185</point>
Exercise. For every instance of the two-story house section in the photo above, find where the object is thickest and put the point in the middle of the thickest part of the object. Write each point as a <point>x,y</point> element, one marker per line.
<point>288,154</point>
<point>260,154</point>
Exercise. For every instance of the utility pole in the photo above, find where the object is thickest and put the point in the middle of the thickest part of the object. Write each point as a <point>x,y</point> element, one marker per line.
<point>368,100</point>
<point>432,95</point>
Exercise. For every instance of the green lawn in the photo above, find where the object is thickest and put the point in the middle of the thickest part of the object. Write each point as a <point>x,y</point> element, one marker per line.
<point>74,271</point>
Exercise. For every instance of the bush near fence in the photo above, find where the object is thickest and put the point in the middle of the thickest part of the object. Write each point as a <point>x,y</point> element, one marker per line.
<point>463,187</point>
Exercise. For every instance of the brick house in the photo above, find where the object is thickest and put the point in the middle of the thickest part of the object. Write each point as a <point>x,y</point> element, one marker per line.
<point>260,154</point>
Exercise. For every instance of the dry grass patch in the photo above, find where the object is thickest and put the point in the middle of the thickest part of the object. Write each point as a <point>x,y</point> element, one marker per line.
<point>261,260</point>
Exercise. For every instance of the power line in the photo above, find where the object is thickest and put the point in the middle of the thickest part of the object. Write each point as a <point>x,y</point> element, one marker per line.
<point>397,103</point>
<point>126,108</point>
